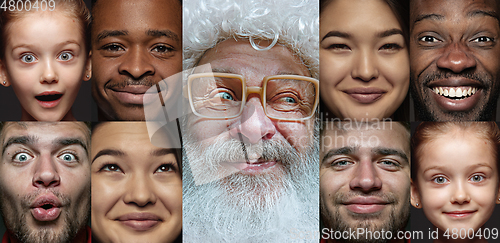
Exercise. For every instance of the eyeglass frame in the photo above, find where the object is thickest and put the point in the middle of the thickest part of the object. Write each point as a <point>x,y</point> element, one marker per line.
<point>252,90</point>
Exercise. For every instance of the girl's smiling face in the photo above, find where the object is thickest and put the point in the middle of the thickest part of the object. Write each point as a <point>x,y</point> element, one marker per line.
<point>457,181</point>
<point>45,61</point>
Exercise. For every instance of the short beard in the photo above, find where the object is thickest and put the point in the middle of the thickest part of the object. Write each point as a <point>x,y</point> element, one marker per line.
<point>250,208</point>
<point>396,220</point>
<point>16,221</point>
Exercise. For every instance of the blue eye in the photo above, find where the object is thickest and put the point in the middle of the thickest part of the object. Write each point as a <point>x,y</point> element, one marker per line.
<point>289,100</point>
<point>22,157</point>
<point>65,56</point>
<point>224,96</point>
<point>440,180</point>
<point>68,157</point>
<point>28,58</point>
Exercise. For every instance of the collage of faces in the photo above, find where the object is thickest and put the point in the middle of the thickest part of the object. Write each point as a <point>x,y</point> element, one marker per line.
<point>249,121</point>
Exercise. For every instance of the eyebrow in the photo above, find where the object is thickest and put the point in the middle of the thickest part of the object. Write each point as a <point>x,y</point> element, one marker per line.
<point>390,151</point>
<point>163,33</point>
<point>71,141</point>
<point>162,152</point>
<point>339,151</point>
<point>110,152</point>
<point>110,33</point>
<point>390,32</point>
<point>25,140</point>
<point>335,33</point>
<point>470,167</point>
<point>421,17</point>
<point>482,13</point>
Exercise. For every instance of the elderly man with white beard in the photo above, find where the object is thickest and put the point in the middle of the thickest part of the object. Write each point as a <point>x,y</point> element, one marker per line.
<point>250,142</point>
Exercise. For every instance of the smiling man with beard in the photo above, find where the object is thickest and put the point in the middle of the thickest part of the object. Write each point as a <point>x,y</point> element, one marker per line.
<point>250,161</point>
<point>45,182</point>
<point>364,182</point>
<point>455,59</point>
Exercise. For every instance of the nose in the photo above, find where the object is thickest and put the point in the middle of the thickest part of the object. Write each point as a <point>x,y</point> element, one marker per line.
<point>139,191</point>
<point>136,64</point>
<point>49,74</point>
<point>365,66</point>
<point>365,178</point>
<point>254,124</point>
<point>457,58</point>
<point>46,174</point>
<point>461,195</point>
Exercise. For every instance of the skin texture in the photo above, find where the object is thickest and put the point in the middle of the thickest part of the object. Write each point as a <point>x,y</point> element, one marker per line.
<point>457,172</point>
<point>135,44</point>
<point>253,125</point>
<point>45,55</point>
<point>452,47</point>
<point>55,162</point>
<point>363,74</point>
<point>370,164</point>
<point>142,179</point>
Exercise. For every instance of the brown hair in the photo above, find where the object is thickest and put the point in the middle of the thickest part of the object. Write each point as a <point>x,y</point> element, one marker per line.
<point>426,132</point>
<point>73,8</point>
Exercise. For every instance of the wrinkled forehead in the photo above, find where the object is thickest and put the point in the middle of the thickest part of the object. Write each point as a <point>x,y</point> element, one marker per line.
<point>46,131</point>
<point>238,56</point>
<point>452,9</point>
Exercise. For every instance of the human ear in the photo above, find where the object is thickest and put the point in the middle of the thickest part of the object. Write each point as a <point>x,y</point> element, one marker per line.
<point>415,196</point>
<point>88,68</point>
<point>3,75</point>
<point>498,196</point>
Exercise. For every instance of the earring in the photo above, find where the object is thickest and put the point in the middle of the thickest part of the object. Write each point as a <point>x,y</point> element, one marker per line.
<point>88,76</point>
<point>4,82</point>
<point>416,205</point>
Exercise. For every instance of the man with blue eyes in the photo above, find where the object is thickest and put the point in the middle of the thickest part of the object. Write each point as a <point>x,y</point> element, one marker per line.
<point>135,45</point>
<point>45,181</point>
<point>250,138</point>
<point>364,181</point>
<point>455,59</point>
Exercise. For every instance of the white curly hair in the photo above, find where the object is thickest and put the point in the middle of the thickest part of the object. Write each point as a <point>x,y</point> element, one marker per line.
<point>291,23</point>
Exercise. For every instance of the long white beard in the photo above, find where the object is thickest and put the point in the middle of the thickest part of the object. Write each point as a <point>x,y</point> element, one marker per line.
<point>271,207</point>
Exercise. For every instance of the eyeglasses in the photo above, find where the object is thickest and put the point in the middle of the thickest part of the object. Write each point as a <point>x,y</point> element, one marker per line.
<point>223,95</point>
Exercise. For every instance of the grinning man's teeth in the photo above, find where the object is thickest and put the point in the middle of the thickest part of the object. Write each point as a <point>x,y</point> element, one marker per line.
<point>455,92</point>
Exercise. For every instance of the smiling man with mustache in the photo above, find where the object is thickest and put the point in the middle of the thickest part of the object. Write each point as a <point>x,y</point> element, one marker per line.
<point>45,182</point>
<point>135,45</point>
<point>455,59</point>
<point>250,138</point>
<point>364,181</point>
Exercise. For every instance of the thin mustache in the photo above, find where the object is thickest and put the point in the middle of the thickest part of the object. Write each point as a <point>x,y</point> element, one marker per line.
<point>483,78</point>
<point>345,197</point>
<point>126,82</point>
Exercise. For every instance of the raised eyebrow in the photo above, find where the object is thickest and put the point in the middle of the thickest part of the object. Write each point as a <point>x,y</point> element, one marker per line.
<point>163,33</point>
<point>339,151</point>
<point>390,151</point>
<point>110,152</point>
<point>71,141</point>
<point>111,33</point>
<point>335,33</point>
<point>24,140</point>
<point>436,17</point>
<point>480,13</point>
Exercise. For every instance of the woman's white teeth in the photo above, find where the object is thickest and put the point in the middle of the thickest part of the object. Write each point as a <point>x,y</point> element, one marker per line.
<point>455,92</point>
